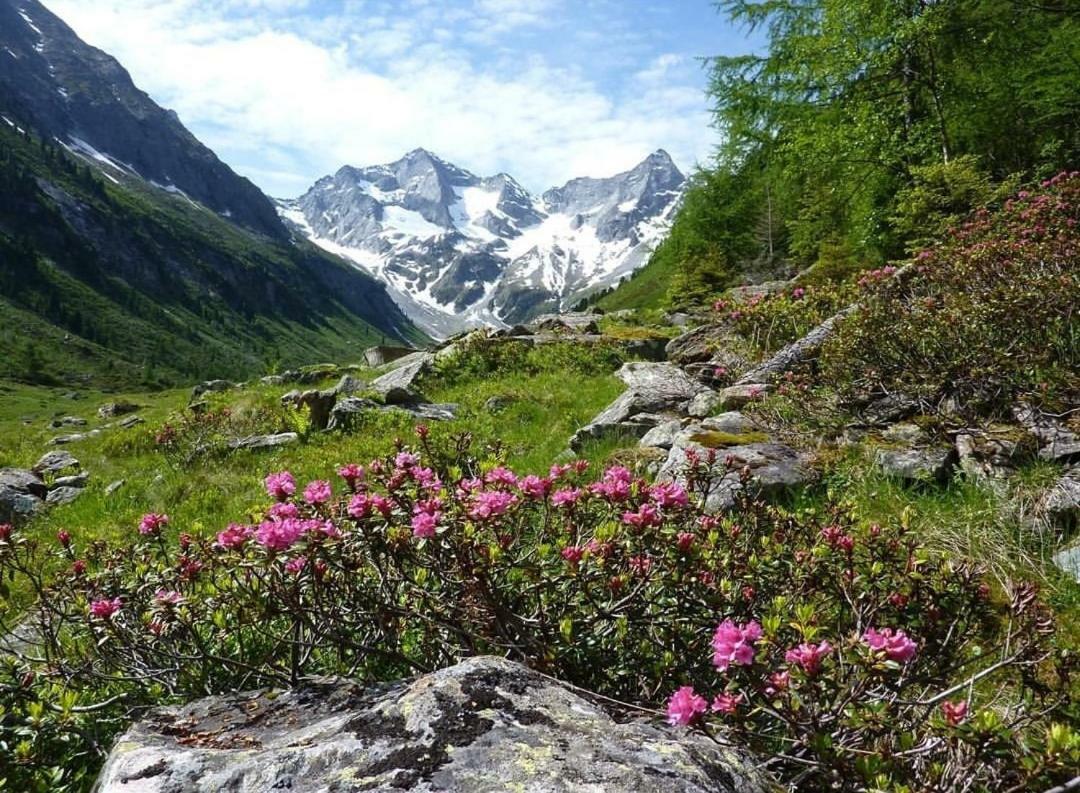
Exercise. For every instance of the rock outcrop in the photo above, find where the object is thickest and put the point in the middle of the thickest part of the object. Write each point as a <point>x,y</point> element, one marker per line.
<point>484,726</point>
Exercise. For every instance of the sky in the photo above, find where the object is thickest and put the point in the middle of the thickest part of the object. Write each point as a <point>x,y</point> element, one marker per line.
<point>287,91</point>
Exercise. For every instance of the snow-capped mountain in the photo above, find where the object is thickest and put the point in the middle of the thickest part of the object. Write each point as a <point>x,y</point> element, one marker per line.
<point>458,250</point>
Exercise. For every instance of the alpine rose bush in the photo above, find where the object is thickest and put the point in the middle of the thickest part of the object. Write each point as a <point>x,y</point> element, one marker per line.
<point>848,656</point>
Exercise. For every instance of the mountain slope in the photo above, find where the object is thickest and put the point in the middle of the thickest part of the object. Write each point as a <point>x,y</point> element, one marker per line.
<point>125,283</point>
<point>456,249</point>
<point>65,89</point>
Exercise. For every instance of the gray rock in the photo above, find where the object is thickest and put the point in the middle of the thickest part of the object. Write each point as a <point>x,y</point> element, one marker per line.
<point>345,412</point>
<point>984,457</point>
<point>499,403</point>
<point>265,441</point>
<point>111,410</point>
<point>1062,447</point>
<point>917,465</point>
<point>797,352</point>
<point>76,480</point>
<point>67,421</point>
<point>131,421</point>
<point>699,344</point>
<point>743,294</point>
<point>578,323</point>
<point>22,495</point>
<point>774,468</point>
<point>273,379</point>
<point>114,486</point>
<point>64,440</point>
<point>398,386</point>
<point>320,405</point>
<point>704,403</point>
<point>349,385</point>
<point>1061,504</point>
<point>889,409</point>
<point>663,435</point>
<point>210,387</point>
<point>384,354</point>
<point>23,481</point>
<point>63,495</point>
<point>738,396</point>
<point>910,434</point>
<point>484,726</point>
<point>677,319</point>
<point>55,462</point>
<point>429,411</point>
<point>732,422</point>
<point>317,373</point>
<point>1068,559</point>
<point>1057,443</point>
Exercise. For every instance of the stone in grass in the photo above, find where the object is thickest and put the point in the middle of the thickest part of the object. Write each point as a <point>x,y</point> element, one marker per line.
<point>486,725</point>
<point>63,495</point>
<point>111,410</point>
<point>56,461</point>
<point>265,441</point>
<point>917,465</point>
<point>738,396</point>
<point>1061,503</point>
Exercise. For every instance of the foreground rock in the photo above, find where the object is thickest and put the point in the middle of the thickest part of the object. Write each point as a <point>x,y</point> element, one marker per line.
<point>265,441</point>
<point>22,494</point>
<point>916,465</point>
<point>485,725</point>
<point>398,387</point>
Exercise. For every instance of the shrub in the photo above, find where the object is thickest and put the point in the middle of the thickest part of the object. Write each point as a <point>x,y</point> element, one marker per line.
<point>987,317</point>
<point>479,358</point>
<point>770,322</point>
<point>828,646</point>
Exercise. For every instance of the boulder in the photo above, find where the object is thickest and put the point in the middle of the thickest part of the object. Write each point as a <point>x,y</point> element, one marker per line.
<point>1068,560</point>
<point>265,441</point>
<point>797,352</point>
<point>349,385</point>
<point>55,462</point>
<point>1057,443</point>
<point>317,373</point>
<point>699,344</point>
<point>663,436</point>
<point>398,386</point>
<point>384,354</point>
<point>985,457</point>
<point>131,421</point>
<point>63,495</point>
<point>114,486</point>
<point>111,410</point>
<point>344,414</point>
<point>577,323</point>
<point>732,423</point>
<point>67,421</point>
<point>918,464</point>
<point>210,387</point>
<point>738,396</point>
<point>22,495</point>
<point>905,433</point>
<point>1061,503</point>
<point>273,379</point>
<point>889,409</point>
<point>320,405</point>
<point>75,480</point>
<point>486,725</point>
<point>704,404</point>
<point>429,411</point>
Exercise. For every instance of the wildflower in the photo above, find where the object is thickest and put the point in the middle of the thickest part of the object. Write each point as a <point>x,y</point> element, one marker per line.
<point>283,510</point>
<point>5,532</point>
<point>641,565</point>
<point>492,504</point>
<point>808,656</point>
<point>352,474</point>
<point>798,293</point>
<point>406,460</point>
<point>955,712</point>
<point>152,523</point>
<point>566,497</point>
<point>778,681</point>
<point>79,567</point>
<point>280,486</point>
<point>424,525</point>
<point>422,431</point>
<point>896,646</point>
<point>646,515</point>
<point>573,554</point>
<point>534,487</point>
<point>295,565</point>
<point>317,492</point>
<point>278,535</point>
<point>233,536</point>
<point>383,505</point>
<point>898,600</point>
<point>425,477</point>
<point>668,495</point>
<point>720,372</point>
<point>168,597</point>
<point>185,541</point>
<point>734,643</point>
<point>615,485</point>
<point>501,476</point>
<point>685,540</point>
<point>685,707</point>
<point>600,549</point>
<point>64,537</point>
<point>104,609</point>
<point>360,506</point>
<point>558,471</point>
<point>727,704</point>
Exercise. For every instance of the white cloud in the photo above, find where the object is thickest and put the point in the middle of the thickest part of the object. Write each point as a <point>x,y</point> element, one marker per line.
<point>286,97</point>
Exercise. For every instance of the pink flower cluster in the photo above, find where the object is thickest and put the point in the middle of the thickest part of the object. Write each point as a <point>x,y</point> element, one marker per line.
<point>615,486</point>
<point>491,504</point>
<point>808,657</point>
<point>280,535</point>
<point>152,523</point>
<point>104,609</point>
<point>318,492</point>
<point>685,707</point>
<point>894,645</point>
<point>280,486</point>
<point>734,644</point>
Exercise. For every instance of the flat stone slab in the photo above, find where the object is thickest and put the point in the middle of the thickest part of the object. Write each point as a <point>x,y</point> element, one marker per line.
<point>265,441</point>
<point>63,495</point>
<point>56,461</point>
<point>399,385</point>
<point>916,465</point>
<point>486,725</point>
<point>1061,504</point>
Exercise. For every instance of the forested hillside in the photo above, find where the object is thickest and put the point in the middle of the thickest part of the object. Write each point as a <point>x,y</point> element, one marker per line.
<point>862,131</point>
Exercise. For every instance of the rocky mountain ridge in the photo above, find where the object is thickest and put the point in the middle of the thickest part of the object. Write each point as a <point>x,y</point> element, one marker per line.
<point>458,250</point>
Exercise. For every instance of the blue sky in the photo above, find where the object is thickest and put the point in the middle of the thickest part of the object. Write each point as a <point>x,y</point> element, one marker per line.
<point>286,91</point>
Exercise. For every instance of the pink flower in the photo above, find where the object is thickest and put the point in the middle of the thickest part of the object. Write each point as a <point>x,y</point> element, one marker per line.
<point>646,515</point>
<point>492,504</point>
<point>104,609</point>
<point>726,703</point>
<point>778,681</point>
<point>685,540</point>
<point>573,554</point>
<point>685,707</point>
<point>534,487</point>
<point>233,536</point>
<point>64,537</point>
<point>798,293</point>
<point>425,477</point>
<point>734,643</point>
<point>152,523</point>
<point>896,646</point>
<point>406,460</point>
<point>360,506</point>
<point>281,485</point>
<point>808,656</point>
<point>424,525</point>
<point>668,495</point>
<point>615,485</point>
<point>352,474</point>
<point>955,712</point>
<point>283,510</point>
<point>501,476</point>
<point>641,565</point>
<point>295,565</point>
<point>384,505</point>
<point>566,497</point>
<point>278,535</point>
<point>318,492</point>
<point>168,597</point>
<point>558,471</point>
